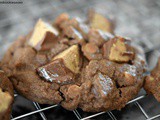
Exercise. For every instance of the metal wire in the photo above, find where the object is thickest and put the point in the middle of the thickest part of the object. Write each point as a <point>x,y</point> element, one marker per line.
<point>142,110</point>
<point>77,114</point>
<point>34,112</point>
<point>154,117</point>
<point>37,106</point>
<point>112,115</point>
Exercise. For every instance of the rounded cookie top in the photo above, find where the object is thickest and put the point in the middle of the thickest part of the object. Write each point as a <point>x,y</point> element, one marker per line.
<point>75,64</point>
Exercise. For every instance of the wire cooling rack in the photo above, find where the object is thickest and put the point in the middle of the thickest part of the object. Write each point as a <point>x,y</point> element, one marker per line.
<point>79,117</point>
<point>138,19</point>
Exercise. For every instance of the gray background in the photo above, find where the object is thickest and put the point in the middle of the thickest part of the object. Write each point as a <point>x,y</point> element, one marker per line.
<point>137,19</point>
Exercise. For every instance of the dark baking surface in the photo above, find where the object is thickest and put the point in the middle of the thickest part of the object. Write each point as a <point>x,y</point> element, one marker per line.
<point>138,19</point>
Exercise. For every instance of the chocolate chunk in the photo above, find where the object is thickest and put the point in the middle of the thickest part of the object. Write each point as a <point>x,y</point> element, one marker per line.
<point>56,72</point>
<point>72,95</point>
<point>107,67</point>
<point>73,34</point>
<point>102,85</point>
<point>60,19</point>
<point>79,25</point>
<point>75,30</point>
<point>126,75</point>
<point>91,51</point>
<point>98,37</point>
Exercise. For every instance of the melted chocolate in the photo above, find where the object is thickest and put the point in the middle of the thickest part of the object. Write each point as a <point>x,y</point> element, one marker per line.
<point>56,72</point>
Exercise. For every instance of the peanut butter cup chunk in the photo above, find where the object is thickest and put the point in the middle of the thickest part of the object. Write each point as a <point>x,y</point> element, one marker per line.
<point>6,97</point>
<point>42,33</point>
<point>71,58</point>
<point>98,21</point>
<point>118,50</point>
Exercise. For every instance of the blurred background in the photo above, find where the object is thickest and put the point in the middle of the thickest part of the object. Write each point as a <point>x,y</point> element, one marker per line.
<point>136,19</point>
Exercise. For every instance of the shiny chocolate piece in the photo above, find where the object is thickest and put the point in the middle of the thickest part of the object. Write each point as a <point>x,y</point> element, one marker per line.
<point>56,72</point>
<point>74,29</point>
<point>103,85</point>
<point>73,34</point>
<point>126,75</point>
<point>98,37</point>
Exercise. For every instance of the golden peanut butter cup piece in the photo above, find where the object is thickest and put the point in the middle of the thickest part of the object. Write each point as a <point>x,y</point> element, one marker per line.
<point>6,97</point>
<point>5,100</point>
<point>118,50</point>
<point>71,58</point>
<point>98,21</point>
<point>43,32</point>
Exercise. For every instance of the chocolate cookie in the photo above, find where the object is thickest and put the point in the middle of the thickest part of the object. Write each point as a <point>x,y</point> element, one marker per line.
<point>75,64</point>
<point>152,82</point>
<point>6,97</point>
